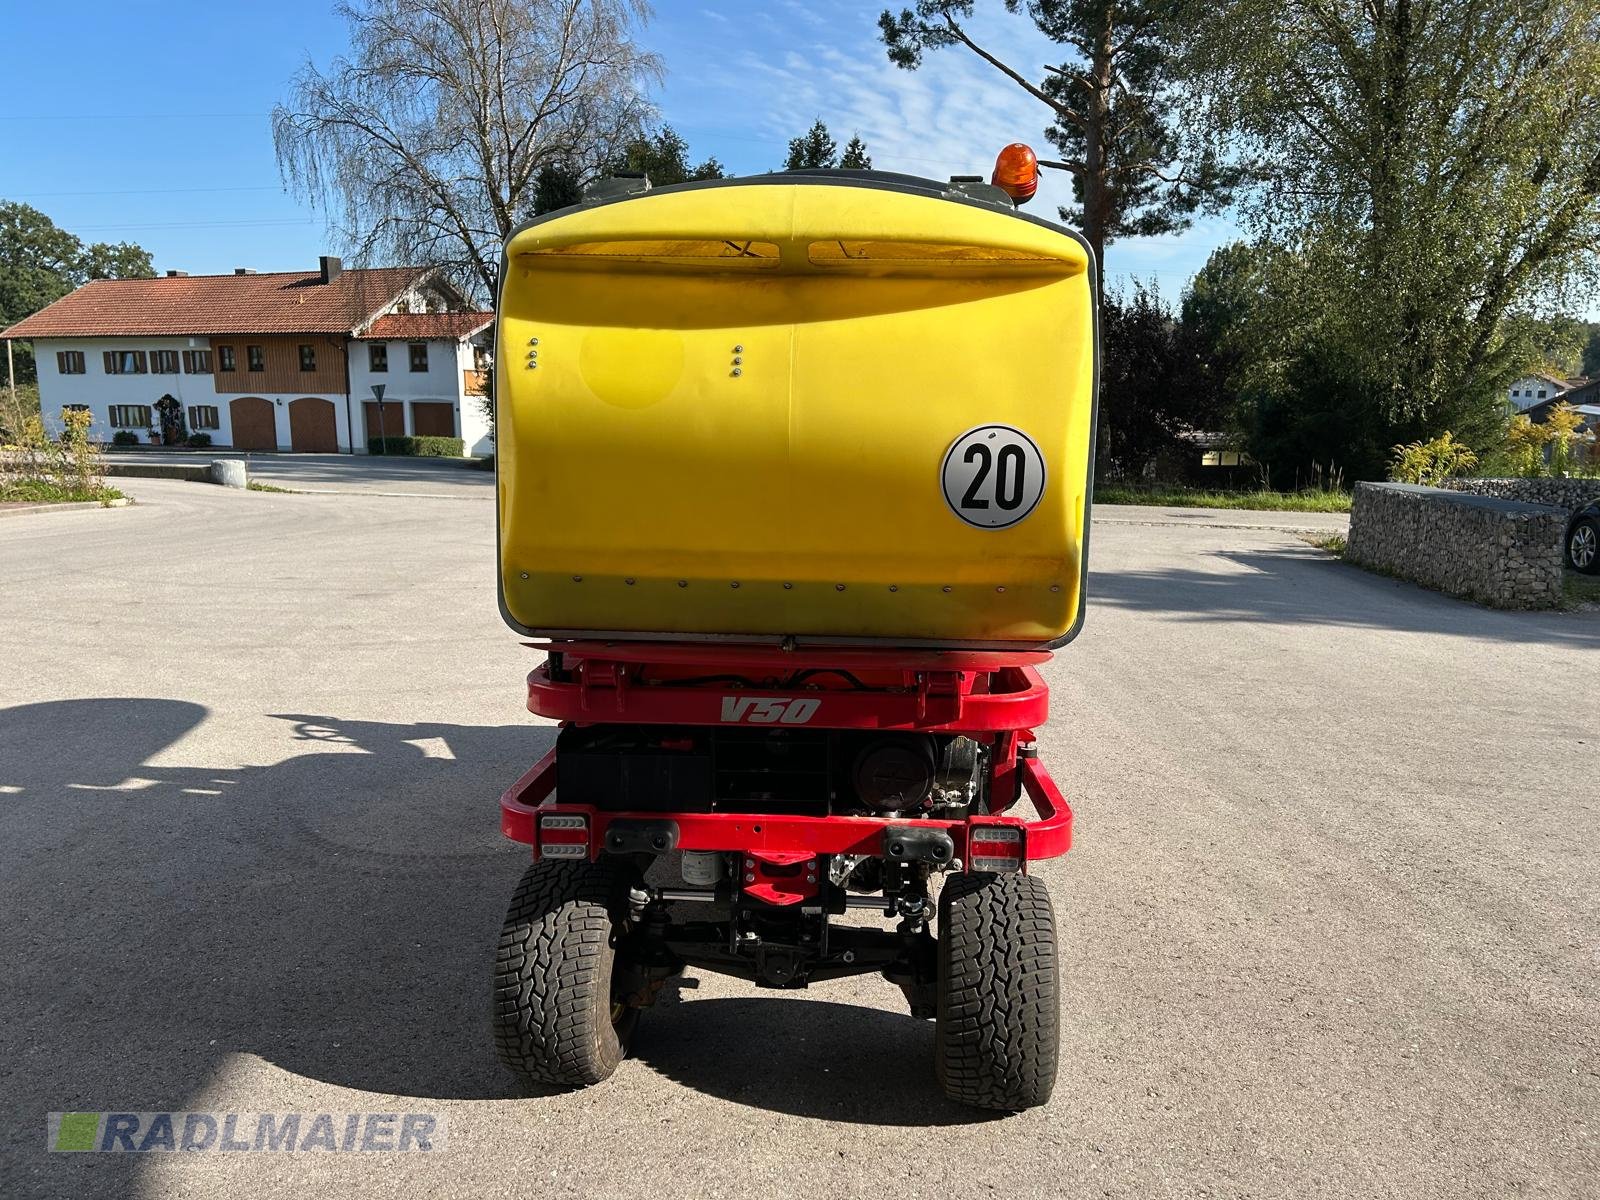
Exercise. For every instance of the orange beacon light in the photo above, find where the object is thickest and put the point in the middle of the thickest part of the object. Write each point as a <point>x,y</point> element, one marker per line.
<point>1016,172</point>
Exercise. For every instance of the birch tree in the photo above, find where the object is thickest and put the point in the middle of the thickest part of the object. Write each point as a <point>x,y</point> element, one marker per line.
<point>427,142</point>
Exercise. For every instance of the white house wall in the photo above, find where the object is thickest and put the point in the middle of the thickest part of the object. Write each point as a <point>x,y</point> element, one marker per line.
<point>442,382</point>
<point>1531,390</point>
<point>100,391</point>
<point>474,422</point>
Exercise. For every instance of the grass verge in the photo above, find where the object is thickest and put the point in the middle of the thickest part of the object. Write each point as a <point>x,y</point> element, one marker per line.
<point>44,491</point>
<point>257,486</point>
<point>1333,543</point>
<point>1184,497</point>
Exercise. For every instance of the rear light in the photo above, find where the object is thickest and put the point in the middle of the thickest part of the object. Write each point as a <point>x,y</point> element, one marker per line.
<point>994,848</point>
<point>1016,172</point>
<point>563,835</point>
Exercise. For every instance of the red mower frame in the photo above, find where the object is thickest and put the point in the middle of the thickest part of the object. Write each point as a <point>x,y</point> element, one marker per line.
<point>989,694</point>
<point>928,836</point>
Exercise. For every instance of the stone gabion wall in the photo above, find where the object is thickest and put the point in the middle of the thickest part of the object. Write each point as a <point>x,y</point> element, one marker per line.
<point>1500,552</point>
<point>1562,493</point>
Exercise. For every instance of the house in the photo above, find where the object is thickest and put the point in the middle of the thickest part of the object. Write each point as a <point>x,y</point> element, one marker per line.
<point>1585,398</point>
<point>1530,390</point>
<point>279,361</point>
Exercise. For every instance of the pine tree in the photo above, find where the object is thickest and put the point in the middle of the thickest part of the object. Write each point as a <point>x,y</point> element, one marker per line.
<point>856,157</point>
<point>815,150</point>
<point>1117,121</point>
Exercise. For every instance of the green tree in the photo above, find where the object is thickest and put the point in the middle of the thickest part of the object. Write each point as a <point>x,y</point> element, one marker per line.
<point>557,185</point>
<point>855,157</point>
<point>663,158</point>
<point>124,260</point>
<point>1426,168</point>
<point>1156,386</point>
<point>1590,366</point>
<point>1216,334</point>
<point>1117,119</point>
<point>40,262</point>
<point>1553,344</point>
<point>1274,368</point>
<point>813,150</point>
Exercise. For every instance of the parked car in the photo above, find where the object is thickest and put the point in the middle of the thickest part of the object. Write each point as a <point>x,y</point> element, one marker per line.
<point>1583,539</point>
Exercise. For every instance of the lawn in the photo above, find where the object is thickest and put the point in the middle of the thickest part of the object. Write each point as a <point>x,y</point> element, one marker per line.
<point>1185,497</point>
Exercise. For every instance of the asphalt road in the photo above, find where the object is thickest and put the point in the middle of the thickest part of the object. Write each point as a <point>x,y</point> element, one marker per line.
<point>1331,926</point>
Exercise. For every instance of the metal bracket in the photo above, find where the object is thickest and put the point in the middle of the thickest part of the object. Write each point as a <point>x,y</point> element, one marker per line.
<point>626,836</point>
<point>914,843</point>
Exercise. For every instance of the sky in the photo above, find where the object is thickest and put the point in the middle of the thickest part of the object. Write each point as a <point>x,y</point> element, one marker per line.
<point>154,129</point>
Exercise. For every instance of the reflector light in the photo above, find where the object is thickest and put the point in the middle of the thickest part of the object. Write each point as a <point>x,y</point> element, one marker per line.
<point>563,835</point>
<point>994,848</point>
<point>1016,172</point>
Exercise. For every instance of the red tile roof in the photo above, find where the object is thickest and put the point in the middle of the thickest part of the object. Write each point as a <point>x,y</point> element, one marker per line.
<point>416,327</point>
<point>282,302</point>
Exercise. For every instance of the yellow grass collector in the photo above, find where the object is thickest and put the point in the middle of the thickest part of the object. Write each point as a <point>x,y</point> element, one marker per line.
<point>820,406</point>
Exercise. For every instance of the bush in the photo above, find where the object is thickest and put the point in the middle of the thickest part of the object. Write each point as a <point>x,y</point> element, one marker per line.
<point>125,437</point>
<point>417,447</point>
<point>1556,448</point>
<point>1431,463</point>
<point>198,440</point>
<point>54,470</point>
<point>19,408</point>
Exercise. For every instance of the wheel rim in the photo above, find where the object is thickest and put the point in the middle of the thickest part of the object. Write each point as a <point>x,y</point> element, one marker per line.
<point>1582,547</point>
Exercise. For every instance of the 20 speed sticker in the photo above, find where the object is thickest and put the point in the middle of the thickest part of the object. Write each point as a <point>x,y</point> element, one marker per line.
<point>993,476</point>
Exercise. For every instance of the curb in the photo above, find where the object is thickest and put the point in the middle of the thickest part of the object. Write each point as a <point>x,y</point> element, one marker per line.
<point>27,510</point>
<point>305,491</point>
<point>1275,527</point>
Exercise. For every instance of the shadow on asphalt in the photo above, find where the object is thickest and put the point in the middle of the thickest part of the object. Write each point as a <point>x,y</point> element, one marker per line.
<point>334,914</point>
<point>810,1058</point>
<point>1306,586</point>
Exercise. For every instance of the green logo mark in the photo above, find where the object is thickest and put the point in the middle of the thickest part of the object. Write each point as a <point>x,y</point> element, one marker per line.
<point>78,1131</point>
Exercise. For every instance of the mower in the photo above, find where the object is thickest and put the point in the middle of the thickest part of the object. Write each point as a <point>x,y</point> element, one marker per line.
<point>794,476</point>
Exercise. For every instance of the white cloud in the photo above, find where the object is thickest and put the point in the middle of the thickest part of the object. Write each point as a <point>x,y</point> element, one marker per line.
<point>747,77</point>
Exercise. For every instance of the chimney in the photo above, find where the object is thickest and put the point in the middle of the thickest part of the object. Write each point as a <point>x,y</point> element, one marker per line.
<point>243,271</point>
<point>330,268</point>
<point>177,274</point>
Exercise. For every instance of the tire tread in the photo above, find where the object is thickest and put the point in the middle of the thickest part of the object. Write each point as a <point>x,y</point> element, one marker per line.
<point>552,987</point>
<point>998,1033</point>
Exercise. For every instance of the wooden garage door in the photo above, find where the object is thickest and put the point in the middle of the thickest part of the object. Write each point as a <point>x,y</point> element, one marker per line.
<point>312,428</point>
<point>433,420</point>
<point>254,427</point>
<point>394,418</point>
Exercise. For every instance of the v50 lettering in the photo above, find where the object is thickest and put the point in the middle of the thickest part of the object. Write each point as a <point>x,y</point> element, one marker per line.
<point>768,710</point>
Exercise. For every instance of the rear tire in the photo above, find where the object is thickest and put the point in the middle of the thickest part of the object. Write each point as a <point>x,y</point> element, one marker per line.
<point>1583,545</point>
<point>555,1019</point>
<point>999,1014</point>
